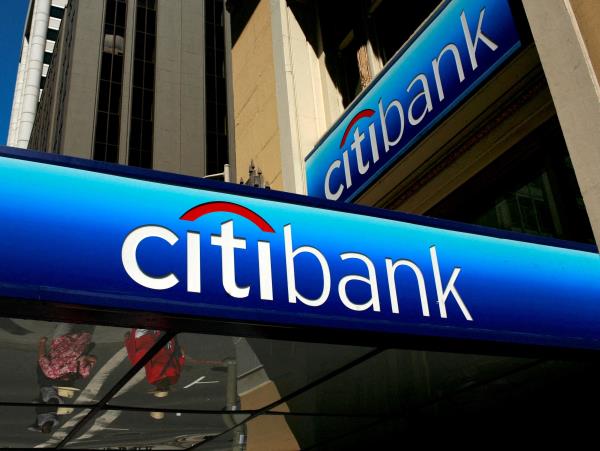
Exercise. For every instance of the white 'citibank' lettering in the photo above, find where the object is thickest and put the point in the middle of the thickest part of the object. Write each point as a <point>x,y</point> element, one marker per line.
<point>394,111</point>
<point>230,244</point>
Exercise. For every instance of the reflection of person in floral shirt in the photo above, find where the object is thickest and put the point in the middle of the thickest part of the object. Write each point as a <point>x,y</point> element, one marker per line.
<point>67,357</point>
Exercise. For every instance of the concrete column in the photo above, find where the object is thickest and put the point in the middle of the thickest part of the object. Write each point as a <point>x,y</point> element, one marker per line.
<point>575,91</point>
<point>300,103</point>
<point>31,89</point>
<point>16,106</point>
<point>231,170</point>
<point>179,100</point>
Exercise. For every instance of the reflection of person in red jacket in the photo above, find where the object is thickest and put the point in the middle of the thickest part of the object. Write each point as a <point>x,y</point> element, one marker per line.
<point>164,369</point>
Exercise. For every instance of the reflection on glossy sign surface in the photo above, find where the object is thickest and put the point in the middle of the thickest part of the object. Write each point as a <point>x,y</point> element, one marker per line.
<point>73,235</point>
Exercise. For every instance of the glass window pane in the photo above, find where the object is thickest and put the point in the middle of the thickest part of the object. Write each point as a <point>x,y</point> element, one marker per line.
<point>146,159</point>
<point>121,16</point>
<point>116,429</point>
<point>405,380</point>
<point>220,62</point>
<point>230,373</point>
<point>117,69</point>
<point>135,133</point>
<point>209,8</point>
<point>219,38</point>
<point>149,76</point>
<point>210,33</point>
<point>134,156</point>
<point>210,60</point>
<point>101,126</point>
<point>148,106</point>
<point>147,130</point>
<point>136,102</point>
<point>79,363</point>
<point>149,48</point>
<point>529,189</point>
<point>140,24</point>
<point>221,90</point>
<point>222,121</point>
<point>113,129</point>
<point>52,34</point>
<point>211,118</point>
<point>99,151</point>
<point>105,66</point>
<point>538,405</point>
<point>103,96</point>
<point>109,15</point>
<point>151,22</point>
<point>219,12</point>
<point>57,12</point>
<point>138,73</point>
<point>139,46</point>
<point>33,427</point>
<point>115,98</point>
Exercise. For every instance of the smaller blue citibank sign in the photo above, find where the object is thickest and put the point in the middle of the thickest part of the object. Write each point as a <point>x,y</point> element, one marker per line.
<point>99,235</point>
<point>454,52</point>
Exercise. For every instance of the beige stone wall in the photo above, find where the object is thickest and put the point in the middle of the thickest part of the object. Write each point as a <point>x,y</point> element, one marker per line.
<point>267,432</point>
<point>254,98</point>
<point>179,130</point>
<point>587,13</point>
<point>560,33</point>
<point>80,116</point>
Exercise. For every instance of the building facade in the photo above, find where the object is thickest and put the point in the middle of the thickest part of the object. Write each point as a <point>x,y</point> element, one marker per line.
<point>186,86</point>
<point>39,39</point>
<point>308,72</point>
<point>519,154</point>
<point>139,83</point>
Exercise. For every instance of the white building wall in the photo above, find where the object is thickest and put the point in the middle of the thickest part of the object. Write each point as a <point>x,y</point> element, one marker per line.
<point>300,102</point>
<point>33,76</point>
<point>18,97</point>
<point>31,70</point>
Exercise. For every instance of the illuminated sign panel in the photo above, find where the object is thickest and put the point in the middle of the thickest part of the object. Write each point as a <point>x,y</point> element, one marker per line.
<point>140,240</point>
<point>454,52</point>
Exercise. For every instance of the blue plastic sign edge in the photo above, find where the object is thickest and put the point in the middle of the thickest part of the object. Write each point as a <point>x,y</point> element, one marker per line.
<point>315,171</point>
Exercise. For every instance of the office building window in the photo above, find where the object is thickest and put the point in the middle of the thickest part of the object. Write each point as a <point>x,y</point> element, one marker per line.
<point>367,33</point>
<point>51,34</point>
<point>108,117</point>
<point>142,96</point>
<point>530,189</point>
<point>57,12</point>
<point>389,29</point>
<point>216,88</point>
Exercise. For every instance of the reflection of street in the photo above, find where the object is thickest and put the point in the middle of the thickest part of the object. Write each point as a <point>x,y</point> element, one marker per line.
<point>202,384</point>
<point>164,368</point>
<point>207,381</point>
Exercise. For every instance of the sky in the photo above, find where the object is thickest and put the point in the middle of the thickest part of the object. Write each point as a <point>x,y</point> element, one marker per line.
<point>12,21</point>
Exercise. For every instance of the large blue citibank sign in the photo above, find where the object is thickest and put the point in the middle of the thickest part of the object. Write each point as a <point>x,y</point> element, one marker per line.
<point>106,236</point>
<point>451,55</point>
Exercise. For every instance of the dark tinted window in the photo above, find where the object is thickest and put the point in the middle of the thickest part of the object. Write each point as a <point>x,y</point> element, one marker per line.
<point>106,143</point>
<point>142,111</point>
<point>216,91</point>
<point>531,189</point>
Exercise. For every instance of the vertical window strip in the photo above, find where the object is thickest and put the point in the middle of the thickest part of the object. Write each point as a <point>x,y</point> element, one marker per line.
<point>108,111</point>
<point>142,98</point>
<point>216,96</point>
